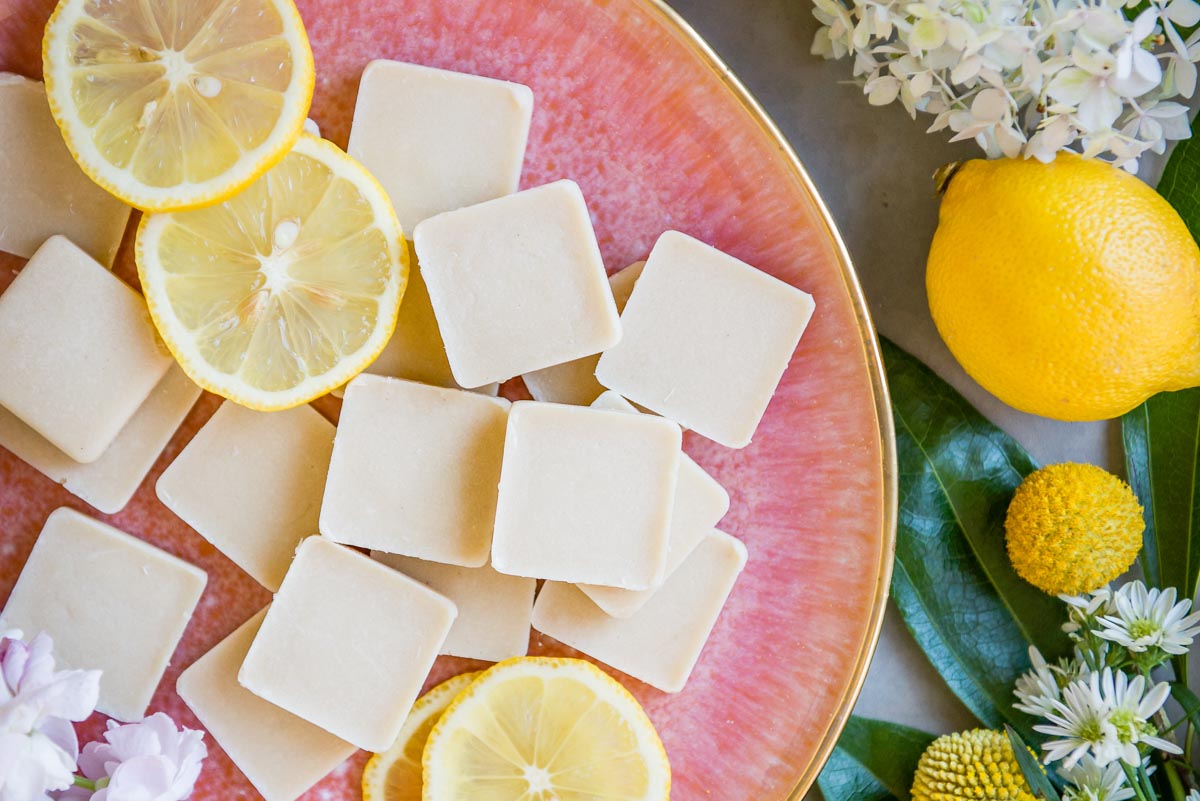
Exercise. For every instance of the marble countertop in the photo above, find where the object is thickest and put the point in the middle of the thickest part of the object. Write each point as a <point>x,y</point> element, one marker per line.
<point>886,210</point>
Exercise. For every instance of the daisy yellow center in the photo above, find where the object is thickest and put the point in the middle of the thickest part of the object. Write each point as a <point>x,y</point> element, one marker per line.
<point>1142,628</point>
<point>1091,731</point>
<point>1125,723</point>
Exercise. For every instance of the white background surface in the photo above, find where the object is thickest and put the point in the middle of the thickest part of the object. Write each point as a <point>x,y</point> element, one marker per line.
<point>873,167</point>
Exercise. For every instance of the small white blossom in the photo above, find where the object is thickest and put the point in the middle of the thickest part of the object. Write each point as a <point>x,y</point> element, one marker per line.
<point>1025,77</point>
<point>1106,715</point>
<point>1143,618</point>
<point>1037,690</point>
<point>1131,706</point>
<point>1091,781</point>
<point>1079,723</point>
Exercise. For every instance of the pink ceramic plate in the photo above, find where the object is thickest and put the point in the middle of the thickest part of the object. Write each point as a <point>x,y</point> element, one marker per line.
<point>635,107</point>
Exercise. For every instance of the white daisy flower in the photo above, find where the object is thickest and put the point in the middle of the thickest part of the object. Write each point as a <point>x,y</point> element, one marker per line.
<point>1143,618</point>
<point>1131,706</point>
<point>1079,723</point>
<point>1082,609</point>
<point>1037,690</point>
<point>1091,781</point>
<point>1107,715</point>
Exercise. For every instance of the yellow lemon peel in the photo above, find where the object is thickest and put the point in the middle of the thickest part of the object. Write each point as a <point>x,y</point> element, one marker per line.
<point>1069,290</point>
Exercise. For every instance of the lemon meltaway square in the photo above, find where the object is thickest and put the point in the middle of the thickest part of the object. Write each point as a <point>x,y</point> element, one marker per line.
<point>700,503</point>
<point>109,482</point>
<point>250,483</point>
<point>414,470</point>
<point>493,608</point>
<point>110,601</point>
<point>662,641</point>
<point>517,283</point>
<point>575,382</point>
<point>706,339</point>
<point>416,350</point>
<point>347,644</point>
<point>586,495</point>
<point>439,140</point>
<point>43,191</point>
<point>80,354</point>
<point>279,753</point>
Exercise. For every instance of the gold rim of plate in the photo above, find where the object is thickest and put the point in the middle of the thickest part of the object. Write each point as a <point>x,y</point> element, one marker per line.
<point>874,361</point>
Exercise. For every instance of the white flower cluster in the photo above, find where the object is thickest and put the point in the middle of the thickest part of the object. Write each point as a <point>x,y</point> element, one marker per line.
<point>1097,715</point>
<point>1026,77</point>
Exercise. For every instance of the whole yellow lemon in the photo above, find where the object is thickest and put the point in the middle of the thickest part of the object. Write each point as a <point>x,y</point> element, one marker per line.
<point>1069,290</point>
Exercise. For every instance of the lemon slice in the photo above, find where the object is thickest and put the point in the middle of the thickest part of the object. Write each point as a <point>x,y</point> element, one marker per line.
<point>395,775</point>
<point>176,104</point>
<point>286,290</point>
<point>536,729</point>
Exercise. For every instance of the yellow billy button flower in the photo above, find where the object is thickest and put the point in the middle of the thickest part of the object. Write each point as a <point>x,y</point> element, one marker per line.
<point>1072,528</point>
<point>977,765</point>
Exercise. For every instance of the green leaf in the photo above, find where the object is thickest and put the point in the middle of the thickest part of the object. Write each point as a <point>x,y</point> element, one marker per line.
<point>1161,439</point>
<point>1188,700</point>
<point>1161,435</point>
<point>972,615</point>
<point>874,760</point>
<point>1031,768</point>
<point>1180,182</point>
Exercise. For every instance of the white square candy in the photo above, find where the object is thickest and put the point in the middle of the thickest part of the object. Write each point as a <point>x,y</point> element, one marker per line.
<point>80,354</point>
<point>517,283</point>
<point>347,644</point>
<point>44,192</point>
<point>439,140</point>
<point>706,339</point>
<point>416,350</point>
<point>250,483</point>
<point>109,482</point>
<point>575,382</point>
<point>700,503</point>
<point>414,470</point>
<point>661,643</point>
<point>493,609</point>
<point>281,754</point>
<point>110,601</point>
<point>586,495</point>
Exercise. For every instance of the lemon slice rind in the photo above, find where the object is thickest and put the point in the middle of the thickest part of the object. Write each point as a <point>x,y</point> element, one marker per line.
<point>471,710</point>
<point>182,343</point>
<point>56,67</point>
<point>429,706</point>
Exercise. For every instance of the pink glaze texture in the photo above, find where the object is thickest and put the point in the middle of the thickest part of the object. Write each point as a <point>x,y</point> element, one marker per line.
<point>625,107</point>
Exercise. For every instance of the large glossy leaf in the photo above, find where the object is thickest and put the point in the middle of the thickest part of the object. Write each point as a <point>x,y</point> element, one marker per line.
<point>874,761</point>
<point>1180,183</point>
<point>1162,435</point>
<point>972,615</point>
<point>1161,439</point>
<point>1031,768</point>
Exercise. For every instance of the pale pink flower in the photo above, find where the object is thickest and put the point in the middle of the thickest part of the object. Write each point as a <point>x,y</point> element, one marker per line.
<point>37,704</point>
<point>147,761</point>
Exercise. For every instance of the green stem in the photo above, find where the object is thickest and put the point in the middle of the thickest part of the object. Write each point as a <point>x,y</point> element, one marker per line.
<point>85,783</point>
<point>1145,779</point>
<point>1132,781</point>
<point>1177,791</point>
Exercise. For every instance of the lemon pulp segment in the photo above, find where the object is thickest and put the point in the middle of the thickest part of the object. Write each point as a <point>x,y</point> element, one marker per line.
<point>536,729</point>
<point>284,291</point>
<point>177,103</point>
